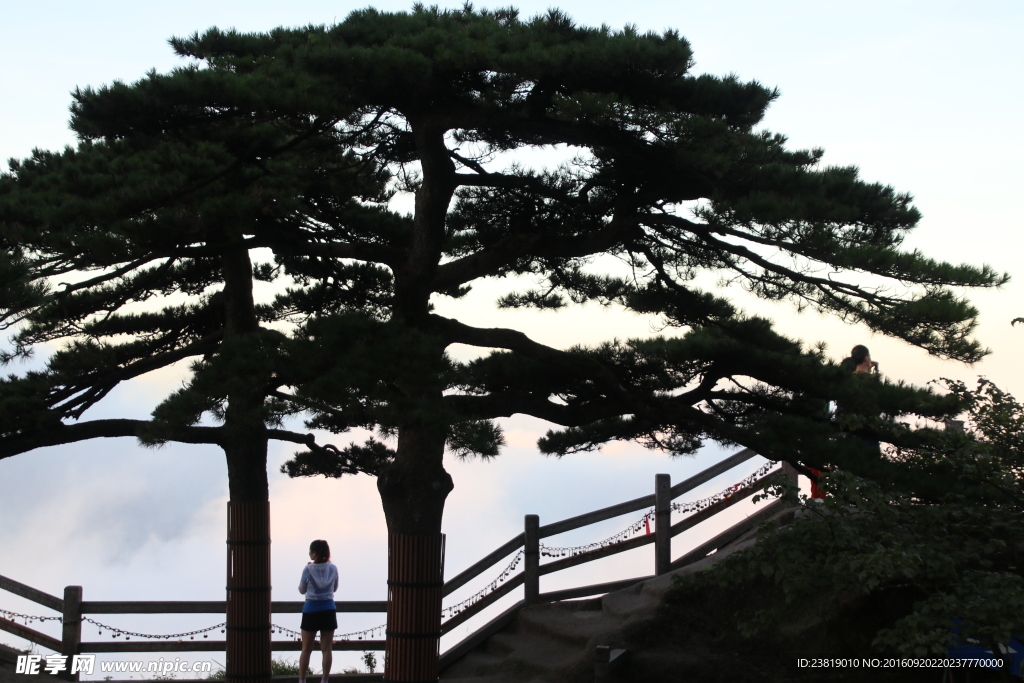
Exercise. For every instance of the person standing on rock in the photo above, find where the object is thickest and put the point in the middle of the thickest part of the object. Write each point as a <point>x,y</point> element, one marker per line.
<point>319,613</point>
<point>859,363</point>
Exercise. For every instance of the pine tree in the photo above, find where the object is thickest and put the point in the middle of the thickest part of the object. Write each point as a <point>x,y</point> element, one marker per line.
<point>170,222</point>
<point>293,141</point>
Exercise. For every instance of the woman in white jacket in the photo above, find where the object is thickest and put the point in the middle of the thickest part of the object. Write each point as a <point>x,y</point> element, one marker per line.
<point>319,613</point>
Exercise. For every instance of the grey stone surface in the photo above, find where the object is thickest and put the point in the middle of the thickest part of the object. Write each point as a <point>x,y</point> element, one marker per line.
<point>8,662</point>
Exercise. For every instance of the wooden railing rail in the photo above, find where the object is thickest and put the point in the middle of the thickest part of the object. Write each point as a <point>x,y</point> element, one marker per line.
<point>30,593</point>
<point>596,516</point>
<point>452,655</point>
<point>29,634</point>
<point>478,568</point>
<point>640,541</point>
<point>594,589</point>
<point>593,517</point>
<point>730,534</point>
<point>154,607</point>
<point>679,489</point>
<point>713,509</point>
<point>345,606</point>
<point>485,602</point>
<point>72,608</point>
<point>687,485</point>
<point>99,647</point>
<point>597,554</point>
<point>216,607</point>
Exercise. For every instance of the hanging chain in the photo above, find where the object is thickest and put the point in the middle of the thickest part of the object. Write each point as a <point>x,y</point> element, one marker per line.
<point>27,618</point>
<point>115,632</point>
<point>644,522</point>
<point>365,634</point>
<point>452,610</point>
<point>625,534</point>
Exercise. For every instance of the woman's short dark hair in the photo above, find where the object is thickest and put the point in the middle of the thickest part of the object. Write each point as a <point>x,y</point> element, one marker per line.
<point>321,550</point>
<point>859,354</point>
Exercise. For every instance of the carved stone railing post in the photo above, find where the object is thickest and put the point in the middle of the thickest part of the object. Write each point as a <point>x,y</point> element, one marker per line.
<point>71,633</point>
<point>531,559</point>
<point>662,523</point>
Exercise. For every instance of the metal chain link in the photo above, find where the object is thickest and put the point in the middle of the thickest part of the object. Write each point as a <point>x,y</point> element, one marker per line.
<point>559,551</point>
<point>161,636</point>
<point>452,610</point>
<point>344,636</point>
<point>27,618</point>
<point>632,529</point>
<point>486,590</point>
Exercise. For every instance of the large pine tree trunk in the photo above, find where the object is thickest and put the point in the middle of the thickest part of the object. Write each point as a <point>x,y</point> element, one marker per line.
<point>248,561</point>
<point>248,537</point>
<point>413,491</point>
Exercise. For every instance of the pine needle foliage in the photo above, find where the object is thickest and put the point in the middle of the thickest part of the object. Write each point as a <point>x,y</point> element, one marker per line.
<point>295,140</point>
<point>945,544</point>
<point>277,162</point>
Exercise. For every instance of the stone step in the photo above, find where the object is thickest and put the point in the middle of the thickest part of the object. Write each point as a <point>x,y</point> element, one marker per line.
<point>555,642</point>
<point>568,623</point>
<point>530,654</point>
<point>630,602</point>
<point>475,664</point>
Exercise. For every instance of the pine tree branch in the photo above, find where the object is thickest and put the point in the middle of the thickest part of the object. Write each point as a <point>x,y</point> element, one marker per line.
<point>685,294</point>
<point>293,437</point>
<point>70,288</point>
<point>506,404</point>
<point>318,407</point>
<point>706,233</point>
<point>507,250</point>
<point>725,430</point>
<point>455,332</point>
<point>183,193</point>
<point>374,253</point>
<point>97,429</point>
<point>100,387</point>
<point>115,428</point>
<point>483,178</point>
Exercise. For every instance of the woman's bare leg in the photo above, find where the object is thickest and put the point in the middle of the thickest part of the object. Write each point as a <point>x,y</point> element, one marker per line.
<point>326,640</point>
<point>307,649</point>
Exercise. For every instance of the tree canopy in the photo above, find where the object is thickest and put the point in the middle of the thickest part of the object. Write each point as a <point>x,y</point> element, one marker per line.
<point>283,158</point>
<point>921,560</point>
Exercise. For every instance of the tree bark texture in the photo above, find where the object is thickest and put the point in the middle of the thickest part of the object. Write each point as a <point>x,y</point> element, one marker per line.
<point>415,583</point>
<point>248,591</point>
<point>248,556</point>
<point>413,491</point>
<point>248,538</point>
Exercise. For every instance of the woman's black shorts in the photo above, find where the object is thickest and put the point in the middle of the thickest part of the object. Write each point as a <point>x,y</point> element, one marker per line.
<point>322,620</point>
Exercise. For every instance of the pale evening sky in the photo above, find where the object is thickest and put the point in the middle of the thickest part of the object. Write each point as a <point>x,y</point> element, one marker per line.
<point>919,95</point>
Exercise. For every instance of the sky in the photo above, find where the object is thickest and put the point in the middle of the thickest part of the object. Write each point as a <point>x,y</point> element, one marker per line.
<point>919,95</point>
